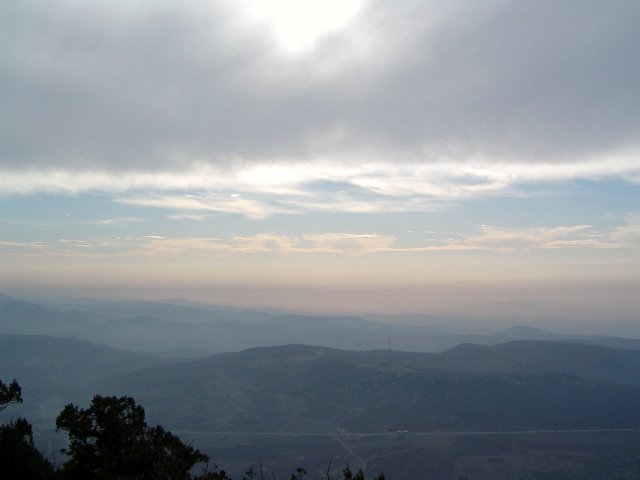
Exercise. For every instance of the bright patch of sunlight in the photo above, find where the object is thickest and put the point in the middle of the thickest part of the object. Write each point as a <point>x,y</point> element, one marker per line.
<point>297,24</point>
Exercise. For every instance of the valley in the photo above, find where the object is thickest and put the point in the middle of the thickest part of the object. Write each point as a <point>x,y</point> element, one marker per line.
<point>521,408</point>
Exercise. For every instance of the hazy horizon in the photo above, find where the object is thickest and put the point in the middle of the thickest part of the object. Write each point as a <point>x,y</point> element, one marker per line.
<point>465,317</point>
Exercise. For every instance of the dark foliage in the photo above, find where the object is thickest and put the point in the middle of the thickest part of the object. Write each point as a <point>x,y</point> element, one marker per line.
<point>347,474</point>
<point>19,459</point>
<point>299,473</point>
<point>11,393</point>
<point>110,440</point>
<point>214,474</point>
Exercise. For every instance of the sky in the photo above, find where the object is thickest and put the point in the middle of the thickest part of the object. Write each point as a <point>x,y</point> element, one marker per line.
<point>337,156</point>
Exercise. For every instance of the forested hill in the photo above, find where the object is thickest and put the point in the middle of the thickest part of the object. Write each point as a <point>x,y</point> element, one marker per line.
<point>298,388</point>
<point>228,402</point>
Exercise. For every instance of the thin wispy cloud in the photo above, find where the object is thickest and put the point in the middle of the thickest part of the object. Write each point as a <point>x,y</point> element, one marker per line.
<point>487,239</point>
<point>495,238</point>
<point>186,216</point>
<point>118,221</point>
<point>23,247</point>
<point>628,235</point>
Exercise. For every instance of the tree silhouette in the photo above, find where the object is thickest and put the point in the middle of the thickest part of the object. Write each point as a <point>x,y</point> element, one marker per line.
<point>11,393</point>
<point>110,440</point>
<point>214,474</point>
<point>300,472</point>
<point>249,474</point>
<point>19,458</point>
<point>347,474</point>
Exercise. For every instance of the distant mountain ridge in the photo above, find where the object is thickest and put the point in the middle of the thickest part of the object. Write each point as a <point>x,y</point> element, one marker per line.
<point>44,362</point>
<point>55,371</point>
<point>212,330</point>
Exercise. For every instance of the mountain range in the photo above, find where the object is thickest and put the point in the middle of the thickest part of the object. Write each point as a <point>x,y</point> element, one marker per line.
<point>192,331</point>
<point>519,402</point>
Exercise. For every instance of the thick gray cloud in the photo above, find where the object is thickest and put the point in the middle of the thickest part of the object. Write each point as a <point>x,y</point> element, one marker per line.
<point>135,86</point>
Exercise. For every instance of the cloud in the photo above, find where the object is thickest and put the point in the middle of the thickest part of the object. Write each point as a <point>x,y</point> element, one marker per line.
<point>227,203</point>
<point>350,243</point>
<point>23,247</point>
<point>186,216</point>
<point>428,99</point>
<point>67,248</point>
<point>330,243</point>
<point>118,221</point>
<point>628,235</point>
<point>509,239</point>
<point>488,239</point>
<point>260,190</point>
<point>177,246</point>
